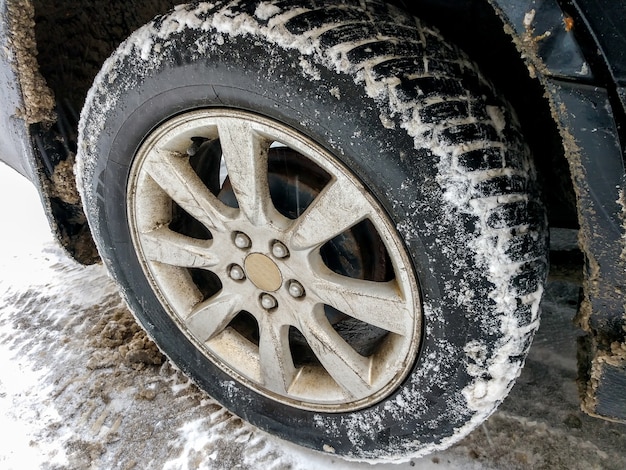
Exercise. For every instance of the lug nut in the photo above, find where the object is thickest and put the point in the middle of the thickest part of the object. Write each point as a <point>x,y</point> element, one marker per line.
<point>196,143</point>
<point>242,241</point>
<point>295,289</point>
<point>268,302</point>
<point>237,273</point>
<point>279,250</point>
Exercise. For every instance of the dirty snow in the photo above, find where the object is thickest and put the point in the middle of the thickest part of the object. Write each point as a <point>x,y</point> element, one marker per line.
<point>65,412</point>
<point>38,100</point>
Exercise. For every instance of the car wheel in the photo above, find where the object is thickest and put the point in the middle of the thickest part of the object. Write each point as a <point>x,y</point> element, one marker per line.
<point>323,214</point>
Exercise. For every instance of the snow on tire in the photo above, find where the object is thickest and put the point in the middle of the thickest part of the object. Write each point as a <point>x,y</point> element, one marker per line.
<point>323,214</point>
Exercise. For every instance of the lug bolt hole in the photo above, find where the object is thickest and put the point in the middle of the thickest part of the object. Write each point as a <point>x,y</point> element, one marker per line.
<point>268,302</point>
<point>295,289</point>
<point>236,272</point>
<point>242,241</point>
<point>279,250</point>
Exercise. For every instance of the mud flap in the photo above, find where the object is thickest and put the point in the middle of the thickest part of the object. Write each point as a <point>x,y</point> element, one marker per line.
<point>602,376</point>
<point>597,168</point>
<point>55,149</point>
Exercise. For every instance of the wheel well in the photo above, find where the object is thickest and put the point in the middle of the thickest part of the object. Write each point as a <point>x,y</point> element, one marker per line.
<point>475,27</point>
<point>75,40</point>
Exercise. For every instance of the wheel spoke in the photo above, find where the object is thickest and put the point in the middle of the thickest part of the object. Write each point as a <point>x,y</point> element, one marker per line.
<point>349,369</point>
<point>277,369</point>
<point>209,237</point>
<point>173,173</point>
<point>376,303</point>
<point>245,155</point>
<point>213,315</point>
<point>168,247</point>
<point>337,208</point>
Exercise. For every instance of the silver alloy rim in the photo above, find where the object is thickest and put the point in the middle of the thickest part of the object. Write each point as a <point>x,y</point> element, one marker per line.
<point>270,266</point>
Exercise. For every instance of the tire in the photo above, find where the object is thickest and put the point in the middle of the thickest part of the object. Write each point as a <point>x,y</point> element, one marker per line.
<point>376,292</point>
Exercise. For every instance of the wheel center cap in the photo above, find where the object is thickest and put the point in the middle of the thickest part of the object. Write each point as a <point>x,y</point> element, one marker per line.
<point>263,272</point>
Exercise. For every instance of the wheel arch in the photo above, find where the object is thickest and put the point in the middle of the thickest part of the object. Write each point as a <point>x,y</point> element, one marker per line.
<point>48,66</point>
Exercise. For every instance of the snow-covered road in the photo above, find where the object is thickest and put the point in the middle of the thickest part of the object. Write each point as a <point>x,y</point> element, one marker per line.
<point>81,387</point>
